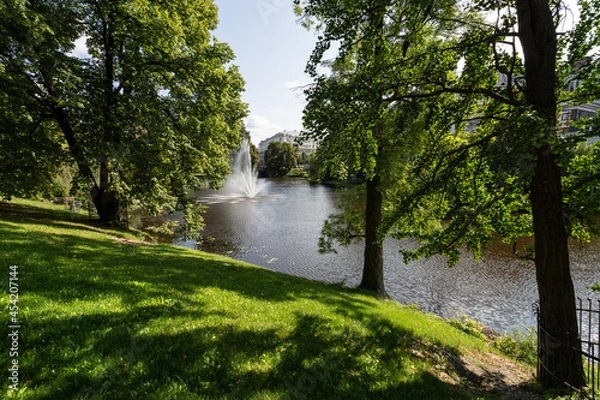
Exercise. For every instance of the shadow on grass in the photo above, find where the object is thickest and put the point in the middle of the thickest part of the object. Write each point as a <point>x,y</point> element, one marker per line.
<point>69,267</point>
<point>228,362</point>
<point>185,347</point>
<point>23,213</point>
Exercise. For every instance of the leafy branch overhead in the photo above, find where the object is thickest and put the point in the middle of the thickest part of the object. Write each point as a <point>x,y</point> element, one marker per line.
<point>150,112</point>
<point>449,111</point>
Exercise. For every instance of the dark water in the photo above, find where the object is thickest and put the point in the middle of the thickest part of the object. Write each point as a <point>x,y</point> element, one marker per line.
<point>280,229</point>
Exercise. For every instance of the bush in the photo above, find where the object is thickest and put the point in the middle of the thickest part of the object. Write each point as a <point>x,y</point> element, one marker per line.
<point>518,345</point>
<point>469,326</point>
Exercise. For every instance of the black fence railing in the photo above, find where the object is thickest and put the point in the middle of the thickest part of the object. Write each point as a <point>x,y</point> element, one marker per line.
<point>588,315</point>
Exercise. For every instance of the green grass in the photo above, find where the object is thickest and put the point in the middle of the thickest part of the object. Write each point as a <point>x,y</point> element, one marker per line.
<point>105,320</point>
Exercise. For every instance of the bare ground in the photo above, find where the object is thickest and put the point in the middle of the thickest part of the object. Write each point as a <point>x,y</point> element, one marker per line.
<point>483,374</point>
<point>497,375</point>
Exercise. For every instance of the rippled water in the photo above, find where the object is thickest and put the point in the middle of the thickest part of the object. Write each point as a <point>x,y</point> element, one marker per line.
<point>280,229</point>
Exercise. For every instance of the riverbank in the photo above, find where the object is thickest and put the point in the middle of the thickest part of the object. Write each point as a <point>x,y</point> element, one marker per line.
<point>102,314</point>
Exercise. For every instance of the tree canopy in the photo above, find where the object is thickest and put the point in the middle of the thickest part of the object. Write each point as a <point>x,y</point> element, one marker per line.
<point>489,162</point>
<point>280,158</point>
<point>152,110</point>
<point>352,108</point>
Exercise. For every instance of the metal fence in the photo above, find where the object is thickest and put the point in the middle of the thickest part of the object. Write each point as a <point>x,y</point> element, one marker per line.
<point>588,315</point>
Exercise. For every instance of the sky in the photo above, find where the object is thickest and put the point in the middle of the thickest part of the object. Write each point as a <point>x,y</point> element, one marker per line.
<point>271,50</point>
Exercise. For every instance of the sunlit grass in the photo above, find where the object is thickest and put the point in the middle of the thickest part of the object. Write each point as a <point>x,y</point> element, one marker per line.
<point>106,320</point>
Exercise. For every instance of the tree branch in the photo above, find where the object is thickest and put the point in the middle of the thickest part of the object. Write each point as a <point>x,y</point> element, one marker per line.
<point>456,90</point>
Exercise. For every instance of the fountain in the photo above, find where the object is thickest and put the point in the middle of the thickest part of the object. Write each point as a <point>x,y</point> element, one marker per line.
<point>243,183</point>
<point>243,180</point>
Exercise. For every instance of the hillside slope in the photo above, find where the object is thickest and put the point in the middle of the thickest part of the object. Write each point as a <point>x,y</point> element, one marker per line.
<point>102,315</point>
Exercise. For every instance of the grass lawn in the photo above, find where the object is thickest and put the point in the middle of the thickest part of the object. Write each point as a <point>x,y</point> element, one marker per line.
<point>104,317</point>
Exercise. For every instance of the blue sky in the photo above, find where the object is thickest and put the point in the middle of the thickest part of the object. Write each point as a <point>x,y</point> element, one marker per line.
<point>271,51</point>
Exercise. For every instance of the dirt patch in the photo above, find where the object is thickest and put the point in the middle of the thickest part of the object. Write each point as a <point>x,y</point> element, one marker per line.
<point>483,373</point>
<point>494,374</point>
<point>131,242</point>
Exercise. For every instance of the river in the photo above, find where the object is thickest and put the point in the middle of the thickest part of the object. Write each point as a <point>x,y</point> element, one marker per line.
<point>279,230</point>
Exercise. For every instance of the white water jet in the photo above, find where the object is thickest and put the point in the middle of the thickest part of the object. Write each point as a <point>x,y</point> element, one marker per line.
<point>242,183</point>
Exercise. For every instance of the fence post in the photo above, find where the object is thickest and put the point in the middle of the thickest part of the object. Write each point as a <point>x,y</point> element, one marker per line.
<point>536,310</point>
<point>589,339</point>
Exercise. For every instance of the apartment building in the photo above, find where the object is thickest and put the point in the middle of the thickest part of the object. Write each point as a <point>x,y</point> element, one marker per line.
<point>292,137</point>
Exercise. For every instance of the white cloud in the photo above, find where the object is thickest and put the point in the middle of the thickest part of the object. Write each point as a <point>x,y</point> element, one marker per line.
<point>261,128</point>
<point>81,50</point>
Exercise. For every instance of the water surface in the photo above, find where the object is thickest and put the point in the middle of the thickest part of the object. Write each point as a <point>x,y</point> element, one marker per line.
<point>279,229</point>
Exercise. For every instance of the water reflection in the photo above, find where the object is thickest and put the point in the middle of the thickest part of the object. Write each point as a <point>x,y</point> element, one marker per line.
<point>280,229</point>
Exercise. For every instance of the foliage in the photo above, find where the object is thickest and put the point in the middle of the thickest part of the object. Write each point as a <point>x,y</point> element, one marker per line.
<point>516,344</point>
<point>352,110</point>
<point>581,182</point>
<point>29,161</point>
<point>519,345</point>
<point>483,77</point>
<point>466,190</point>
<point>481,136</point>
<point>324,166</point>
<point>468,325</point>
<point>151,111</point>
<point>280,158</point>
<point>107,319</point>
<point>297,173</point>
<point>347,227</point>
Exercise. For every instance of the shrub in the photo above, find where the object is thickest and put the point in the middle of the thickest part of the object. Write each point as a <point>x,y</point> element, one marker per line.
<point>519,345</point>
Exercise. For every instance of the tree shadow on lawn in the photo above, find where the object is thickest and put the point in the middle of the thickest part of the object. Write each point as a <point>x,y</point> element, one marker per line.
<point>23,213</point>
<point>228,362</point>
<point>110,354</point>
<point>68,267</point>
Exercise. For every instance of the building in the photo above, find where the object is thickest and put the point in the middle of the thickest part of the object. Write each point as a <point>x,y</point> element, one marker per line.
<point>571,113</point>
<point>307,146</point>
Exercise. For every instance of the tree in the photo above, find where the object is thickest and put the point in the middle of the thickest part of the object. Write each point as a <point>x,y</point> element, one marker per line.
<point>280,158</point>
<point>498,177</point>
<point>360,129</point>
<point>152,111</point>
<point>537,35</point>
<point>515,155</point>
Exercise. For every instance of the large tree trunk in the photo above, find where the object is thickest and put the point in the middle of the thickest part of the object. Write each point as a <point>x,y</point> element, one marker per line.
<point>105,200</point>
<point>107,205</point>
<point>372,278</point>
<point>559,360</point>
